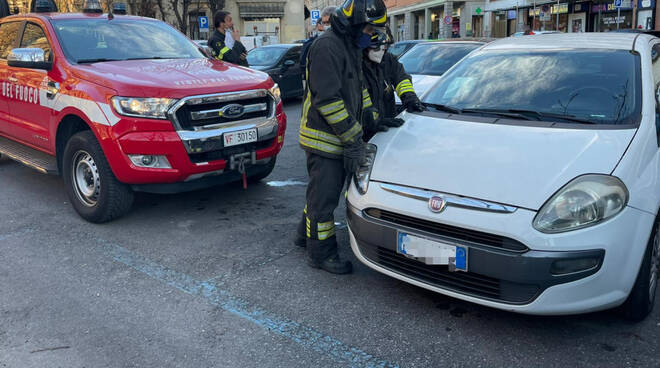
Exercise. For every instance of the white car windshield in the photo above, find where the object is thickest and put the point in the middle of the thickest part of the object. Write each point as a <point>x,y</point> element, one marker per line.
<point>571,86</point>
<point>94,40</point>
<point>435,58</point>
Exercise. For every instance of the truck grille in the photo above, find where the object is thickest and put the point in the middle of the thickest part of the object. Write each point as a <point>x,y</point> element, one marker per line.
<point>191,116</point>
<point>439,276</point>
<point>460,234</point>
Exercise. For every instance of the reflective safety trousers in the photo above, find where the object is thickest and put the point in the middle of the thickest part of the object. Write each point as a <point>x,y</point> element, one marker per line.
<point>334,98</point>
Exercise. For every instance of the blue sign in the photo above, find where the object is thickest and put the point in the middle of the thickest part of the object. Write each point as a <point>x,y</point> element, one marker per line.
<point>618,3</point>
<point>203,23</point>
<point>316,15</point>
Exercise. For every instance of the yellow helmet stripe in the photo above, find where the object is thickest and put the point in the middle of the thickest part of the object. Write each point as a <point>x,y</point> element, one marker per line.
<point>381,20</point>
<point>349,11</point>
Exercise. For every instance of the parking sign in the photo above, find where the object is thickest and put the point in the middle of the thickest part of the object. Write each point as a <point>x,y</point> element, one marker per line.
<point>203,23</point>
<point>316,15</point>
<point>618,3</point>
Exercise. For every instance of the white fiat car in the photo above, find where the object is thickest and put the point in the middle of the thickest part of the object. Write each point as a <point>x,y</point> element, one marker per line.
<point>531,184</point>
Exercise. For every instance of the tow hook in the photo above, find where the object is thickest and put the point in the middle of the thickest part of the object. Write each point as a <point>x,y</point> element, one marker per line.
<point>238,161</point>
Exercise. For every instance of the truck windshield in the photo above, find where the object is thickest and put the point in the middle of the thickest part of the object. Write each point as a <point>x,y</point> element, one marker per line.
<point>579,86</point>
<point>93,40</point>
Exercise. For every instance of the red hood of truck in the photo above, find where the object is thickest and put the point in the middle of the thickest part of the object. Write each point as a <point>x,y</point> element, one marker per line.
<point>173,78</point>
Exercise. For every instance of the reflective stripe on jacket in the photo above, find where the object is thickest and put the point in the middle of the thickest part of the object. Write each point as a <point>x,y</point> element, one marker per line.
<point>334,96</point>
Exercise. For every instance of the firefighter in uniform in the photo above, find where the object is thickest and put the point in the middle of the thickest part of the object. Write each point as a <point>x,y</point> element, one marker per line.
<point>330,127</point>
<point>237,53</point>
<point>384,76</point>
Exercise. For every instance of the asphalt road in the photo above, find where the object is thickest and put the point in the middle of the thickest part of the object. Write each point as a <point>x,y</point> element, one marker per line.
<point>211,279</point>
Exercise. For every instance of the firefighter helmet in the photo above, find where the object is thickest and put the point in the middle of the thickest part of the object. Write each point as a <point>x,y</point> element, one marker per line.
<point>359,12</point>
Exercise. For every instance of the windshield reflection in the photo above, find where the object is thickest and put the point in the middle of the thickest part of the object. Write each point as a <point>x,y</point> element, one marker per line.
<point>599,86</point>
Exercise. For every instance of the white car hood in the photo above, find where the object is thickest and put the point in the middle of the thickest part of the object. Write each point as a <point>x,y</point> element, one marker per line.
<point>421,84</point>
<point>515,165</point>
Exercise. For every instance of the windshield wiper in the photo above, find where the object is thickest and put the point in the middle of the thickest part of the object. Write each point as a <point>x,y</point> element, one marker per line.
<point>530,115</point>
<point>97,60</point>
<point>444,108</point>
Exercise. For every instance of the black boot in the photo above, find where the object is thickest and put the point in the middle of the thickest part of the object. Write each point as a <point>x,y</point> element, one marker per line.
<point>323,254</point>
<point>300,239</point>
<point>333,264</point>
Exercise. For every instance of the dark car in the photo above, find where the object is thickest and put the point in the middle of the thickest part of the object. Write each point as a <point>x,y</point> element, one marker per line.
<point>281,62</point>
<point>402,47</point>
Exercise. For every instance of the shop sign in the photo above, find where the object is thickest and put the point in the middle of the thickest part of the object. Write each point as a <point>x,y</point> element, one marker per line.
<point>582,7</point>
<point>613,20</point>
<point>563,9</point>
<point>626,5</point>
<point>646,4</point>
<point>478,11</point>
<point>511,14</point>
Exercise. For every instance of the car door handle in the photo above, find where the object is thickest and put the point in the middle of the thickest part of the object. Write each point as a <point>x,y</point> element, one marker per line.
<point>12,79</point>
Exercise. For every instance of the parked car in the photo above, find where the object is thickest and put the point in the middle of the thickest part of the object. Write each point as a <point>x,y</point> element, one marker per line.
<point>426,62</point>
<point>156,117</point>
<point>533,33</point>
<point>532,183</point>
<point>202,43</point>
<point>401,47</point>
<point>282,63</point>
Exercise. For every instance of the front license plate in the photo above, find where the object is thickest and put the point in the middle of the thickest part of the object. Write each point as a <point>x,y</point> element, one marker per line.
<point>240,137</point>
<point>433,252</point>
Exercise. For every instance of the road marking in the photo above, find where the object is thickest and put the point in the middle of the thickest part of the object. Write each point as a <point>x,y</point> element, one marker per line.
<point>285,183</point>
<point>296,332</point>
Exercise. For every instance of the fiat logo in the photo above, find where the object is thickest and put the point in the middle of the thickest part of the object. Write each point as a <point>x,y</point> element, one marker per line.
<point>233,111</point>
<point>437,204</point>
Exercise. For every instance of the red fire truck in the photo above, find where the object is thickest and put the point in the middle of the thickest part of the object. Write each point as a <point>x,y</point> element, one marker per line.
<point>117,104</point>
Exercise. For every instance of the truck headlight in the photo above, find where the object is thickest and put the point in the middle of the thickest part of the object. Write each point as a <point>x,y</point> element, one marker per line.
<point>585,201</point>
<point>361,177</point>
<point>154,108</point>
<point>275,92</point>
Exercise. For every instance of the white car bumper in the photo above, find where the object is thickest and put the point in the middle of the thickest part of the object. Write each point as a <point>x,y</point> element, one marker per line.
<point>500,278</point>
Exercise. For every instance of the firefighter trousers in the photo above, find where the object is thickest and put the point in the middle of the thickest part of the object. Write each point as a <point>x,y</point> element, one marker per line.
<point>326,183</point>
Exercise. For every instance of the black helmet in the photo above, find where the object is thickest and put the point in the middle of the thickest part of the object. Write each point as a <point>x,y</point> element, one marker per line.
<point>359,12</point>
<point>381,37</point>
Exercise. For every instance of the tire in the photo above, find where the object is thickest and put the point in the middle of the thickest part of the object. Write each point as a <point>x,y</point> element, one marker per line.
<point>259,177</point>
<point>641,300</point>
<point>93,189</point>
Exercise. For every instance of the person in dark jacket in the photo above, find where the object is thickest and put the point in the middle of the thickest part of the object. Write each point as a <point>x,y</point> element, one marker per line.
<point>322,25</point>
<point>223,48</point>
<point>385,75</point>
<point>330,127</point>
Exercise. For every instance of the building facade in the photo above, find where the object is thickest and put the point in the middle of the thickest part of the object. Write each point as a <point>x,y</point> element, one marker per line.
<point>411,20</point>
<point>505,17</point>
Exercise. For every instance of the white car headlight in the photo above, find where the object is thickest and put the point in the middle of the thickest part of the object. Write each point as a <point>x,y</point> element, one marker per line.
<point>275,92</point>
<point>585,201</point>
<point>361,177</point>
<point>155,108</point>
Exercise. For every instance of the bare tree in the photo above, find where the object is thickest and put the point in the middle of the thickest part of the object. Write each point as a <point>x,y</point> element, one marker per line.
<point>215,5</point>
<point>180,8</point>
<point>161,8</point>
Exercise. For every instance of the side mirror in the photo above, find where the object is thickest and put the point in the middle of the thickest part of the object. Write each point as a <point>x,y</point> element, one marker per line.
<point>289,63</point>
<point>31,58</point>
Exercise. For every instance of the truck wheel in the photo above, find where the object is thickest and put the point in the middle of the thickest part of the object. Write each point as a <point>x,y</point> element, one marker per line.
<point>93,189</point>
<point>269,169</point>
<point>641,300</point>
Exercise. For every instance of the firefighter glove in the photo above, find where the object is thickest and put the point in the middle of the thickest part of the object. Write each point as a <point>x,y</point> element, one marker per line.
<point>355,155</point>
<point>391,122</point>
<point>412,103</point>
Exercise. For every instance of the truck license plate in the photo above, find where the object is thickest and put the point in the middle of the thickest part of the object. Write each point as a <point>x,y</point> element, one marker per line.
<point>240,137</point>
<point>433,252</point>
